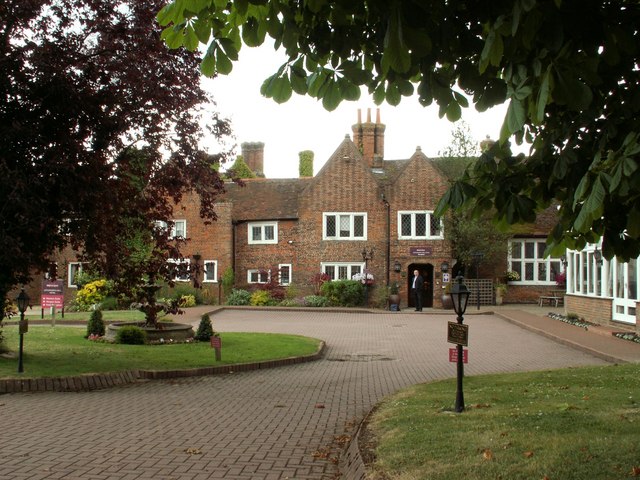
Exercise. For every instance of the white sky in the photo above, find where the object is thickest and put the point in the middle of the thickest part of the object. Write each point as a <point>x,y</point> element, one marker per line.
<point>303,124</point>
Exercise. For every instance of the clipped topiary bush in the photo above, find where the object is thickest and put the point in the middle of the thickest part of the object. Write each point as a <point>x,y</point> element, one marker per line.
<point>239,297</point>
<point>131,335</point>
<point>205,329</point>
<point>95,325</point>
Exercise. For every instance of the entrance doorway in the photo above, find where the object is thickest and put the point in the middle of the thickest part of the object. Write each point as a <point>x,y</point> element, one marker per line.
<point>426,271</point>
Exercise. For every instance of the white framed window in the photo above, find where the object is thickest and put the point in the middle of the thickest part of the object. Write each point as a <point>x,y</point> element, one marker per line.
<point>178,230</point>
<point>261,233</point>
<point>526,257</point>
<point>258,276</point>
<point>341,270</point>
<point>344,226</point>
<point>419,225</point>
<point>285,273</point>
<point>74,269</point>
<point>210,271</point>
<point>181,269</point>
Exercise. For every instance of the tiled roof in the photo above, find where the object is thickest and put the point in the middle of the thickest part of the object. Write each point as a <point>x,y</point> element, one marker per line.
<point>265,198</point>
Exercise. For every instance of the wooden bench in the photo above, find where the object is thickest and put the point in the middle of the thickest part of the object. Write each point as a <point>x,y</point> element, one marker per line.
<point>549,299</point>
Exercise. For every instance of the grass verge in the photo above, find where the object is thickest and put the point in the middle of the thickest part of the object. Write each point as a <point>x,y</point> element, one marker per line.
<point>62,351</point>
<point>107,316</point>
<point>568,424</point>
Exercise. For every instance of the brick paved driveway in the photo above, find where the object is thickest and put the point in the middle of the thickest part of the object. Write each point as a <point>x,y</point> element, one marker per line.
<point>284,423</point>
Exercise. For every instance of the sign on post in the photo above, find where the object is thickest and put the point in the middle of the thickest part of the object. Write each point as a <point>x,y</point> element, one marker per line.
<point>458,333</point>
<point>52,294</point>
<point>453,355</point>
<point>216,344</point>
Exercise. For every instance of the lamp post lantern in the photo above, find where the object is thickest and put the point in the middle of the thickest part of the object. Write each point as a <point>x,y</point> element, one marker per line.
<point>459,296</point>
<point>23,302</point>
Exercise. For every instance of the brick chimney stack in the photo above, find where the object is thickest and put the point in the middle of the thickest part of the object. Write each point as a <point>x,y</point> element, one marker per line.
<point>369,138</point>
<point>253,156</point>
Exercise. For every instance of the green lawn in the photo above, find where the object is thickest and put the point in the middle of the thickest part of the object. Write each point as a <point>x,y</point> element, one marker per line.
<point>573,424</point>
<point>62,351</point>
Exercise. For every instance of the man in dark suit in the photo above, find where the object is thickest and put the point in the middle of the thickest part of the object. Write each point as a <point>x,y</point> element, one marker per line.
<point>417,285</point>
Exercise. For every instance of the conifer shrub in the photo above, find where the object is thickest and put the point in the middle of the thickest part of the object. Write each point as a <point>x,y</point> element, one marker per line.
<point>131,335</point>
<point>95,325</point>
<point>205,329</point>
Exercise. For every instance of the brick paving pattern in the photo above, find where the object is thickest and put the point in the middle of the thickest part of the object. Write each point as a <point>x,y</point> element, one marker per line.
<point>284,423</point>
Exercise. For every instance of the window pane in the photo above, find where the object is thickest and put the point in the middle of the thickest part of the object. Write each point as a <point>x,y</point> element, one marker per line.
<point>517,267</point>
<point>331,225</point>
<point>269,232</point>
<point>542,271</point>
<point>345,225</point>
<point>284,274</point>
<point>421,224</point>
<point>342,272</point>
<point>555,269</point>
<point>528,271</point>
<point>358,226</point>
<point>210,271</point>
<point>529,250</point>
<point>264,277</point>
<point>355,269</point>
<point>180,229</point>
<point>631,275</point>
<point>256,234</point>
<point>516,250</point>
<point>436,226</point>
<point>541,248</point>
<point>331,271</point>
<point>405,225</point>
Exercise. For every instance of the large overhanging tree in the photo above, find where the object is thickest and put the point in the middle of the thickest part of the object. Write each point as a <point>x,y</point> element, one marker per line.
<point>568,68</point>
<point>81,82</point>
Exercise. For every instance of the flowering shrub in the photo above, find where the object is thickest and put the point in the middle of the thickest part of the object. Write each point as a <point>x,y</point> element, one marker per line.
<point>91,294</point>
<point>561,279</point>
<point>363,277</point>
<point>512,276</point>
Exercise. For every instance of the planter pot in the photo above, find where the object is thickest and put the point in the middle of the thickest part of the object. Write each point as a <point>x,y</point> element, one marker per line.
<point>178,332</point>
<point>394,300</point>
<point>447,303</point>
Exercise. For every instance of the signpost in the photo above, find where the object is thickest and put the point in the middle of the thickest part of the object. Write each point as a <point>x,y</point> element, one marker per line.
<point>52,297</point>
<point>216,344</point>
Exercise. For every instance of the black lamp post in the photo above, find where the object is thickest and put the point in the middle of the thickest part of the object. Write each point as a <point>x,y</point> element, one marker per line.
<point>459,296</point>
<point>477,258</point>
<point>367,254</point>
<point>23,302</point>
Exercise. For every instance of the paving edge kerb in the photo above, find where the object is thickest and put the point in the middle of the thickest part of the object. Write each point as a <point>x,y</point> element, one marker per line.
<point>98,381</point>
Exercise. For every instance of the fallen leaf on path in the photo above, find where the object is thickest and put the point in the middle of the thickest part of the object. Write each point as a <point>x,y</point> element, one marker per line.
<point>487,454</point>
<point>193,451</point>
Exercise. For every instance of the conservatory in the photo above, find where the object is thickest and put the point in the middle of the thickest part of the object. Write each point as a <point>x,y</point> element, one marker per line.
<point>602,290</point>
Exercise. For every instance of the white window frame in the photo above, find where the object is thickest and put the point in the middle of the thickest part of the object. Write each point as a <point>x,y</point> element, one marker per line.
<point>549,264</point>
<point>290,267</point>
<point>179,262</point>
<point>413,235</point>
<point>351,216</point>
<point>162,225</point>
<point>350,270</point>
<point>70,275</point>
<point>258,271</point>
<point>262,226</point>
<point>215,271</point>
